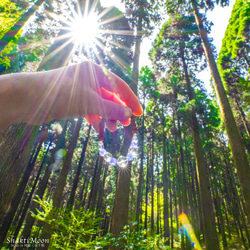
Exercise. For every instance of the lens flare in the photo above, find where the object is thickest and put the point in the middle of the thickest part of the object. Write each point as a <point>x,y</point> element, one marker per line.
<point>188,230</point>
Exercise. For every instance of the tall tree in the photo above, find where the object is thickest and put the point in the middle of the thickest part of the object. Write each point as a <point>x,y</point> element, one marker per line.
<point>175,45</point>
<point>236,144</point>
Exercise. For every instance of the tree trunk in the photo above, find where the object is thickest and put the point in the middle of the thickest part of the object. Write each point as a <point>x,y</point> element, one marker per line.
<point>79,169</point>
<point>96,183</point>
<point>17,198</point>
<point>238,151</point>
<point>14,158</point>
<point>27,203</point>
<point>42,184</point>
<point>211,238</point>
<point>152,184</point>
<point>99,206</point>
<point>139,194</point>
<point>57,196</point>
<point>120,211</point>
<point>121,203</point>
<point>165,181</point>
<point>93,181</point>
<point>146,194</point>
<point>19,24</point>
<point>158,200</point>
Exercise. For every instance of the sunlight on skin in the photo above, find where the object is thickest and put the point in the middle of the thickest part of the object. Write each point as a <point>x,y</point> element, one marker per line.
<point>189,231</point>
<point>85,31</point>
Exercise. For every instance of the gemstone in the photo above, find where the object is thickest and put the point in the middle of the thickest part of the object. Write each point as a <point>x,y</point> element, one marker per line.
<point>135,138</point>
<point>134,144</point>
<point>100,145</point>
<point>102,152</point>
<point>134,151</point>
<point>60,153</point>
<point>107,157</point>
<point>122,161</point>
<point>113,161</point>
<point>57,165</point>
<point>130,157</point>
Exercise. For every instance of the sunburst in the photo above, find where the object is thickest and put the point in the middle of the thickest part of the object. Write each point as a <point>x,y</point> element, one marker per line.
<point>88,32</point>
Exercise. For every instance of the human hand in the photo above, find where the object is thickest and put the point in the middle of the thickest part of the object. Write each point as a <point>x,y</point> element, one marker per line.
<point>84,90</point>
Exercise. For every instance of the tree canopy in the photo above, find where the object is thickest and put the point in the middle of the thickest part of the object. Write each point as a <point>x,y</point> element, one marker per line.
<point>187,188</point>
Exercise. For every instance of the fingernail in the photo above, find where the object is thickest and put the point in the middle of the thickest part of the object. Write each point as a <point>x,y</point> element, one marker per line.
<point>127,112</point>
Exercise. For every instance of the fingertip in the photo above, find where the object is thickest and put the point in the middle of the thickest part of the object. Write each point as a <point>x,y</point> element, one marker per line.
<point>127,112</point>
<point>111,125</point>
<point>95,121</point>
<point>138,111</point>
<point>125,122</point>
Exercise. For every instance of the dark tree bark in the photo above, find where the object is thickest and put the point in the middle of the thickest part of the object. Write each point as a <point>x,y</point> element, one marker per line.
<point>238,151</point>
<point>211,238</point>
<point>96,183</point>
<point>140,184</point>
<point>30,196</point>
<point>57,195</point>
<point>19,24</point>
<point>79,169</point>
<point>99,206</point>
<point>43,183</point>
<point>14,157</point>
<point>152,184</point>
<point>17,198</point>
<point>146,194</point>
<point>165,181</point>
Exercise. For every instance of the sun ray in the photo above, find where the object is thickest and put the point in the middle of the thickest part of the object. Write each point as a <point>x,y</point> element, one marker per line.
<point>112,19</point>
<point>88,37</point>
<point>105,11</point>
<point>118,32</point>
<point>53,53</point>
<point>114,43</point>
<point>122,65</point>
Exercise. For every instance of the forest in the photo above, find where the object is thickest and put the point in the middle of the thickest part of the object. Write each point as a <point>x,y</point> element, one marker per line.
<point>182,180</point>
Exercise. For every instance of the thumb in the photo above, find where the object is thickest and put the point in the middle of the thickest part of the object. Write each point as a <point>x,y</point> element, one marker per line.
<point>115,111</point>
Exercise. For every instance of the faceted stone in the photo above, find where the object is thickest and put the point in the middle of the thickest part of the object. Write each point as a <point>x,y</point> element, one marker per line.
<point>130,157</point>
<point>122,161</point>
<point>134,144</point>
<point>107,157</point>
<point>100,145</point>
<point>135,138</point>
<point>113,161</point>
<point>60,153</point>
<point>134,151</point>
<point>102,152</point>
<point>57,165</point>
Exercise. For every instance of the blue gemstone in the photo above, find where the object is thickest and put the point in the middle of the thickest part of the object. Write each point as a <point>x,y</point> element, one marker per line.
<point>113,161</point>
<point>134,144</point>
<point>102,152</point>
<point>130,157</point>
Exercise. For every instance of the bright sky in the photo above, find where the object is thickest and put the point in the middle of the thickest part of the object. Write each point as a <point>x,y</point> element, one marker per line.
<point>219,16</point>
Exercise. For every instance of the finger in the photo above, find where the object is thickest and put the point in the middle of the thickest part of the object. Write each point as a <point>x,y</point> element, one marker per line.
<point>125,122</point>
<point>110,96</point>
<point>111,125</point>
<point>108,109</point>
<point>95,121</point>
<point>114,98</point>
<point>115,84</point>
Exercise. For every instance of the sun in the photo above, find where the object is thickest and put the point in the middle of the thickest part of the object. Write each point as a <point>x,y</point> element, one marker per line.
<point>85,29</point>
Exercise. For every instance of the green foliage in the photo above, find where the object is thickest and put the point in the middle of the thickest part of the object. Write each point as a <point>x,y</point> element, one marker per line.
<point>72,229</point>
<point>9,14</point>
<point>131,239</point>
<point>237,29</point>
